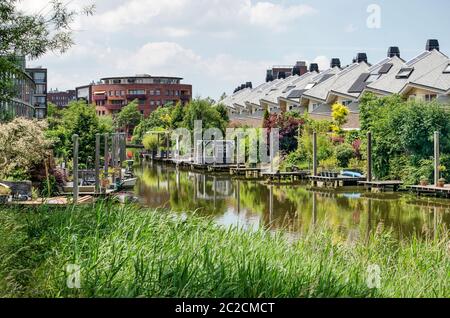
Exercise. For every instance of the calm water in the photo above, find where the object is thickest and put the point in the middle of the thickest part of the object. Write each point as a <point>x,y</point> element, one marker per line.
<point>352,213</point>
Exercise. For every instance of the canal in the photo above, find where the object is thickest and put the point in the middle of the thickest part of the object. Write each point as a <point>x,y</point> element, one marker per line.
<point>352,213</point>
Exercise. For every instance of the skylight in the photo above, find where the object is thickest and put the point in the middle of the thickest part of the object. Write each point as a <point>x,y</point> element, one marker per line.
<point>309,86</point>
<point>447,69</point>
<point>405,72</point>
<point>372,78</point>
<point>289,88</point>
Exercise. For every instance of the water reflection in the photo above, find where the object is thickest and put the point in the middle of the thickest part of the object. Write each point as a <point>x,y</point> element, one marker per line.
<point>353,214</point>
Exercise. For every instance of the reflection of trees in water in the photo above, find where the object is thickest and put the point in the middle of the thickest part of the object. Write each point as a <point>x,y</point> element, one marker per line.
<point>293,208</point>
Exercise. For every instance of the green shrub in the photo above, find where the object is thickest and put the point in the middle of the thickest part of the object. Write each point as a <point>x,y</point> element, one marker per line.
<point>344,153</point>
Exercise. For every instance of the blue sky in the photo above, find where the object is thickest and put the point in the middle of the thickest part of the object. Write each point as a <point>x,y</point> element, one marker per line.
<point>218,44</point>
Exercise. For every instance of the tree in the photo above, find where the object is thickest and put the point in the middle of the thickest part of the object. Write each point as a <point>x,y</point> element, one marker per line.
<point>129,117</point>
<point>339,114</point>
<point>81,119</point>
<point>202,109</point>
<point>22,145</point>
<point>403,135</point>
<point>223,96</point>
<point>31,35</point>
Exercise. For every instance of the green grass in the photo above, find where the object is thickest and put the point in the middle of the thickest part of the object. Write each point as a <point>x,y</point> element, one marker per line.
<point>127,251</point>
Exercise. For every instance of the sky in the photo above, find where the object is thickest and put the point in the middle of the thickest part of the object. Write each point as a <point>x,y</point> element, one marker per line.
<point>216,45</point>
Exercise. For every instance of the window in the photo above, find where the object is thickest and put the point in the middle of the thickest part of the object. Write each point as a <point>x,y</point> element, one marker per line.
<point>111,93</point>
<point>39,77</point>
<point>447,69</point>
<point>430,97</point>
<point>136,92</point>
<point>141,101</point>
<point>142,112</point>
<point>158,92</point>
<point>40,89</point>
<point>405,72</point>
<point>152,103</point>
<point>116,102</point>
<point>116,81</point>
<point>346,102</point>
<point>152,92</point>
<point>117,93</point>
<point>122,93</point>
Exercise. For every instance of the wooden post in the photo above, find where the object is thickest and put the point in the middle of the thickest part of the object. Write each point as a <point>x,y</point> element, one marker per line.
<point>237,154</point>
<point>106,155</point>
<point>369,156</point>
<point>97,163</point>
<point>436,159</point>
<point>271,151</point>
<point>167,145</point>
<point>75,168</point>
<point>315,154</point>
<point>113,157</point>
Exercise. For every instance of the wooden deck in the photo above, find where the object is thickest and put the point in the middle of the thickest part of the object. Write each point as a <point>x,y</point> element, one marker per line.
<point>430,190</point>
<point>247,172</point>
<point>334,182</point>
<point>57,201</point>
<point>280,176</point>
<point>382,186</point>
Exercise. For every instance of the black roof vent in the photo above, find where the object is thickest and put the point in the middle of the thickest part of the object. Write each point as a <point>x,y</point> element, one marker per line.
<point>269,76</point>
<point>248,85</point>
<point>335,63</point>
<point>393,51</point>
<point>432,45</point>
<point>361,57</point>
<point>242,86</point>
<point>314,67</point>
<point>281,75</point>
<point>296,70</point>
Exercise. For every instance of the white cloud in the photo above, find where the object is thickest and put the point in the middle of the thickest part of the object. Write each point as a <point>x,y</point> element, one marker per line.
<point>276,16</point>
<point>323,61</point>
<point>190,15</point>
<point>350,28</point>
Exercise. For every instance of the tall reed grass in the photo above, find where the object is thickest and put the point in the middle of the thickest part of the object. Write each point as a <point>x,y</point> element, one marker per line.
<point>128,251</point>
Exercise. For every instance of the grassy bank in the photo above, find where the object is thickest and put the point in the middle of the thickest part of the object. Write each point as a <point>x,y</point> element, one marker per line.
<point>132,252</point>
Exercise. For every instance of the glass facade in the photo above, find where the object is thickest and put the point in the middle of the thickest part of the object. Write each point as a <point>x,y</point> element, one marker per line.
<point>21,105</point>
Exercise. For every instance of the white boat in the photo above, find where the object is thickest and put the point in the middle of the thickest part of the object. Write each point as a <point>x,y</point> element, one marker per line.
<point>128,183</point>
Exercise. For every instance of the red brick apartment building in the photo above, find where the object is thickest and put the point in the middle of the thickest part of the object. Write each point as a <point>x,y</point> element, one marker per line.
<point>113,93</point>
<point>61,99</point>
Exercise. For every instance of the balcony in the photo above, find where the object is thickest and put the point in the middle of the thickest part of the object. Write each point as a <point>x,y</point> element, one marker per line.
<point>137,96</point>
<point>112,107</point>
<point>99,97</point>
<point>185,97</point>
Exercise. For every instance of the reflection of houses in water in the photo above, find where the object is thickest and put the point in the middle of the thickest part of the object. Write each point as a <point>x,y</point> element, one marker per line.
<point>214,152</point>
<point>211,187</point>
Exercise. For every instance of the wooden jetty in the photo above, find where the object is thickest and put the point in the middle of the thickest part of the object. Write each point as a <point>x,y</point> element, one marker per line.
<point>382,186</point>
<point>334,181</point>
<point>247,172</point>
<point>56,201</point>
<point>292,176</point>
<point>430,190</point>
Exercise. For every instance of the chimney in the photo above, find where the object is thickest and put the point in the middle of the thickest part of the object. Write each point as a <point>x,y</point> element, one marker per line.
<point>393,51</point>
<point>299,68</point>
<point>242,86</point>
<point>269,76</point>
<point>335,63</point>
<point>432,44</point>
<point>361,57</point>
<point>282,75</point>
<point>249,85</point>
<point>314,67</point>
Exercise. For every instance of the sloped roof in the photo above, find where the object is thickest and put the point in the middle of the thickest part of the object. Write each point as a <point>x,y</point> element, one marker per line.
<point>390,84</point>
<point>344,82</point>
<point>322,89</point>
<point>436,78</point>
<point>272,95</point>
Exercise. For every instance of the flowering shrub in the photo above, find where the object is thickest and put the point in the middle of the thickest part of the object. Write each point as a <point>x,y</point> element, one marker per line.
<point>22,146</point>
